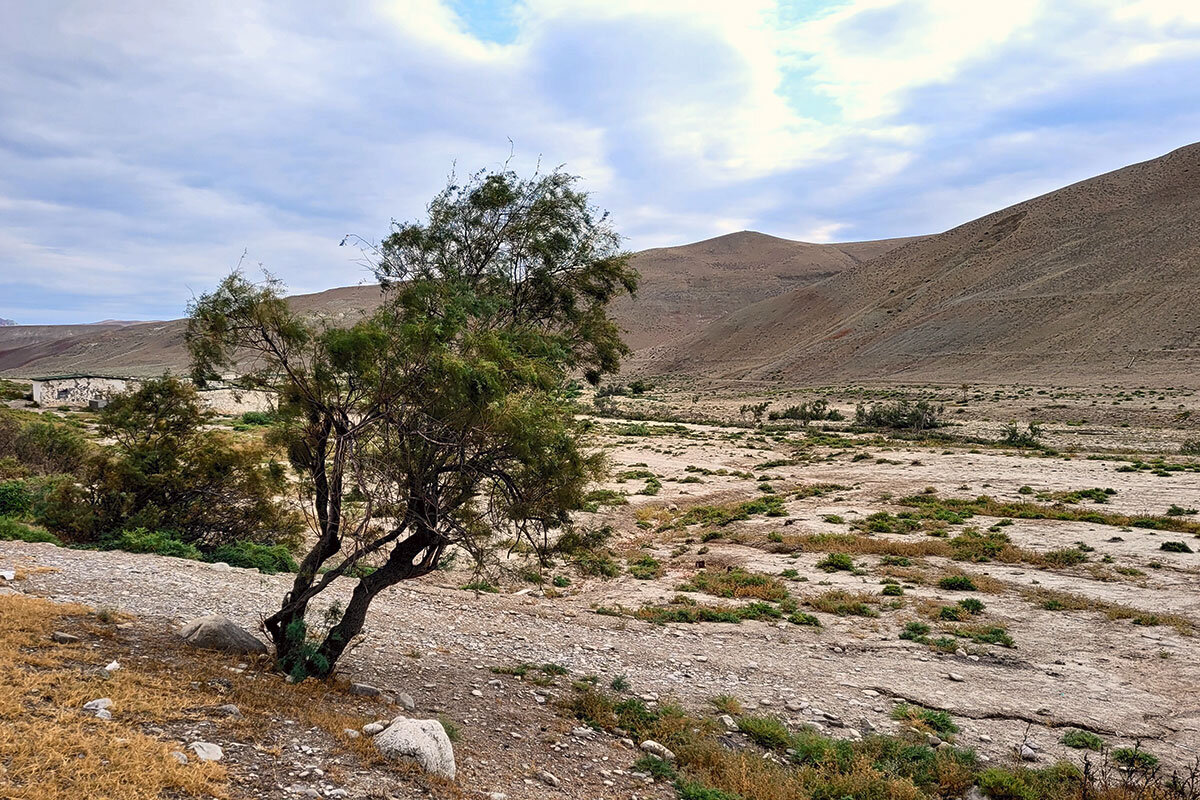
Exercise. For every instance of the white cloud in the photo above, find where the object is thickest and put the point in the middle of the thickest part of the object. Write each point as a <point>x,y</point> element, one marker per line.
<point>144,144</point>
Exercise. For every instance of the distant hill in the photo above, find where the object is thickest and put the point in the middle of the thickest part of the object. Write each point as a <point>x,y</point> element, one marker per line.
<point>688,287</point>
<point>6,323</point>
<point>1097,282</point>
<point>682,289</point>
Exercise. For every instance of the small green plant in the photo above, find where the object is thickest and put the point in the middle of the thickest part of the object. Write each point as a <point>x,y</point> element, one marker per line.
<point>800,618</point>
<point>655,767</point>
<point>163,543</point>
<point>453,732</point>
<point>266,558</point>
<point>937,721</point>
<point>620,684</point>
<point>835,562</point>
<point>766,732</point>
<point>893,590</point>
<point>915,631</point>
<point>1175,547</point>
<point>480,586</point>
<point>1135,758</point>
<point>561,581</point>
<point>957,583</point>
<point>1082,740</point>
<point>12,530</point>
<point>645,568</point>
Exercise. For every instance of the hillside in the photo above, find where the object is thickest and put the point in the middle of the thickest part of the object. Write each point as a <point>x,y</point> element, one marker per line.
<point>685,288</point>
<point>1097,282</point>
<point>682,290</point>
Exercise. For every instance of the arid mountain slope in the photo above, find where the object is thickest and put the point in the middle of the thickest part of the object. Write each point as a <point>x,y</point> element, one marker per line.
<point>1097,282</point>
<point>145,348</point>
<point>683,289</point>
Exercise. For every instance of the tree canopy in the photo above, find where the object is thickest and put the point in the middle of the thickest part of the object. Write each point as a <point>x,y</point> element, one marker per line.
<point>442,417</point>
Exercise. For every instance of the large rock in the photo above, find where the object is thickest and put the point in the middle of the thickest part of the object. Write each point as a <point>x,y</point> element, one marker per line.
<point>421,740</point>
<point>219,633</point>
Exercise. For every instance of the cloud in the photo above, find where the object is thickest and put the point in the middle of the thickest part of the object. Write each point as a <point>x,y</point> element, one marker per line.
<point>145,144</point>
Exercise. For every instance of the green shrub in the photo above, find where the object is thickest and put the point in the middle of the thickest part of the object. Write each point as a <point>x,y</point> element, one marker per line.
<point>915,631</point>
<point>1082,740</point>
<point>836,561</point>
<point>655,767</point>
<point>937,721</point>
<point>163,543</point>
<point>957,583</point>
<point>893,590</point>
<point>266,558</point>
<point>900,415</point>
<point>971,605</point>
<point>1135,758</point>
<point>1175,547</point>
<point>14,498</point>
<point>645,568</point>
<point>12,530</point>
<point>257,418</point>
<point>800,618</point>
<point>766,732</point>
<point>480,586</point>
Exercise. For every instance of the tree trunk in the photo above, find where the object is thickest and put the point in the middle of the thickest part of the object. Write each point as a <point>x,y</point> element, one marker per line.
<point>401,565</point>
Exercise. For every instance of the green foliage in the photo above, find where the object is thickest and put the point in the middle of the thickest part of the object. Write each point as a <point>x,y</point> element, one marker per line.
<point>453,731</point>
<point>12,530</point>
<point>937,721</point>
<point>769,505</point>
<point>974,545</point>
<point>1175,547</point>
<point>808,412</point>
<point>655,767</point>
<point>480,586</point>
<point>266,558</point>
<point>1135,758</point>
<point>800,618</point>
<point>834,562</point>
<point>14,498</point>
<point>766,732</point>
<point>915,631</point>
<point>645,567</point>
<point>42,446</point>
<point>163,543</point>
<point>1016,437</point>
<point>957,583</point>
<point>1082,740</point>
<point>452,395</point>
<point>899,415</point>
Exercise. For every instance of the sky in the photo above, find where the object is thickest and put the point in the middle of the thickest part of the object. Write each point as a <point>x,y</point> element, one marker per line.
<point>147,147</point>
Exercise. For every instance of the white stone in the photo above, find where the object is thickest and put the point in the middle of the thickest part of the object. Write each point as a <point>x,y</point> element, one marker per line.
<point>421,740</point>
<point>206,751</point>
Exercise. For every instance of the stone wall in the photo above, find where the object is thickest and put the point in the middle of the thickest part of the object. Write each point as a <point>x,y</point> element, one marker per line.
<point>76,391</point>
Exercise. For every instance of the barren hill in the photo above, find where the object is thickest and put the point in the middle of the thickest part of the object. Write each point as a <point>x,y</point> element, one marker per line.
<point>1097,282</point>
<point>683,289</point>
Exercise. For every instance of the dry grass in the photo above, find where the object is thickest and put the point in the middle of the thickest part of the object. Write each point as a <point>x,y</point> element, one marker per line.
<point>54,751</point>
<point>1055,600</point>
<point>50,749</point>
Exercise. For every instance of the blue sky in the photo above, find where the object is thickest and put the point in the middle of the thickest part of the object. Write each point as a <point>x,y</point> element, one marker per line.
<point>145,145</point>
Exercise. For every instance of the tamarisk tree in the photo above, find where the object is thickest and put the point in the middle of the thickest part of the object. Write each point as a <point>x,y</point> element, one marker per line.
<point>442,417</point>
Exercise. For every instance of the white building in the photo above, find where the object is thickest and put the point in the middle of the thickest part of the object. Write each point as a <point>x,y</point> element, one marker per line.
<point>78,391</point>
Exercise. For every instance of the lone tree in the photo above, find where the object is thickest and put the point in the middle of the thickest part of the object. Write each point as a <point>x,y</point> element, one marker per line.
<point>443,417</point>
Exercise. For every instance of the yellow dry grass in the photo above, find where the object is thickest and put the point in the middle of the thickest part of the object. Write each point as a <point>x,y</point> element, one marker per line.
<point>49,748</point>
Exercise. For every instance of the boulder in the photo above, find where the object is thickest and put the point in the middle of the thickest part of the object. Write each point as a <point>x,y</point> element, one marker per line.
<point>219,633</point>
<point>421,740</point>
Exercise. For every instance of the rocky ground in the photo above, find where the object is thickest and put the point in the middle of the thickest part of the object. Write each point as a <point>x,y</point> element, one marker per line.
<point>1089,668</point>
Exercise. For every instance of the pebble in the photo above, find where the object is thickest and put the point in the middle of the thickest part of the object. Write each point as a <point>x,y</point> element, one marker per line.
<point>655,749</point>
<point>206,751</point>
<point>548,778</point>
<point>64,638</point>
<point>1027,753</point>
<point>364,690</point>
<point>954,676</point>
